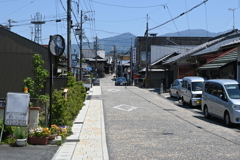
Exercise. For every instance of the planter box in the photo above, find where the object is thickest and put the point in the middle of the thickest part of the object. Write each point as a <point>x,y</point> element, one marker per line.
<point>38,140</point>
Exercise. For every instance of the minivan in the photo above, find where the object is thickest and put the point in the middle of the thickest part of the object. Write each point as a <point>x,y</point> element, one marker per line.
<point>191,90</point>
<point>221,98</point>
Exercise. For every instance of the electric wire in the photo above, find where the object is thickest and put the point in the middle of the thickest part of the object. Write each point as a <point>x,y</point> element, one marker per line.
<point>206,16</point>
<point>17,9</point>
<point>125,6</point>
<point>189,31</point>
<point>179,15</point>
<point>173,20</point>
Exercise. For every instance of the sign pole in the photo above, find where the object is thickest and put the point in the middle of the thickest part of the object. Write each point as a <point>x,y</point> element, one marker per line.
<point>56,47</point>
<point>50,87</point>
<point>2,133</point>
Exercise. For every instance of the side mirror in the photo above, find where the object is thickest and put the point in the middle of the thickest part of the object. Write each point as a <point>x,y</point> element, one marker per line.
<point>221,96</point>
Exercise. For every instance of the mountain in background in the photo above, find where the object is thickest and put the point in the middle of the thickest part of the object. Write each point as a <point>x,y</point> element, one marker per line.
<point>193,33</point>
<point>124,41</point>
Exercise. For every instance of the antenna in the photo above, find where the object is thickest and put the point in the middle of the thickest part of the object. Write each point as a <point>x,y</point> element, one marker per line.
<point>233,9</point>
<point>37,21</point>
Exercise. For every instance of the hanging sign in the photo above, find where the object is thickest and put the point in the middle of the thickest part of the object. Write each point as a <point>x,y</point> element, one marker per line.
<point>134,55</point>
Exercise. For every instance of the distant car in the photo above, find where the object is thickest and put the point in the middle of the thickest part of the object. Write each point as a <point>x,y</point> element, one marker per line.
<point>63,76</point>
<point>95,82</point>
<point>121,81</point>
<point>175,88</point>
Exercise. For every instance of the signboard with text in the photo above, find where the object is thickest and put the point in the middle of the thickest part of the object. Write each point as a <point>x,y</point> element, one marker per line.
<point>134,55</point>
<point>17,109</point>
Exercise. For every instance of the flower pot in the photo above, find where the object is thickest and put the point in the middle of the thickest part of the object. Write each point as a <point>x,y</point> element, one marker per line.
<point>38,140</point>
<point>52,136</point>
<point>20,142</point>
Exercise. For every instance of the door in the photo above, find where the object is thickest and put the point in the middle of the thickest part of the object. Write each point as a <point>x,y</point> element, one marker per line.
<point>219,101</point>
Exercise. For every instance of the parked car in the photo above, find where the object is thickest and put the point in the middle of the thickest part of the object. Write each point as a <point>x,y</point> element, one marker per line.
<point>191,90</point>
<point>175,88</point>
<point>121,81</point>
<point>63,76</point>
<point>95,82</point>
<point>221,98</point>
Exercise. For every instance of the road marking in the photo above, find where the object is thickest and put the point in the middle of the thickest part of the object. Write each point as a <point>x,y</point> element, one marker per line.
<point>113,90</point>
<point>125,107</point>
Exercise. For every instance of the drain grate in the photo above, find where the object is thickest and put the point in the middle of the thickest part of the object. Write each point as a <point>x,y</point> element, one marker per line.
<point>167,133</point>
<point>89,97</point>
<point>78,122</point>
<point>169,110</point>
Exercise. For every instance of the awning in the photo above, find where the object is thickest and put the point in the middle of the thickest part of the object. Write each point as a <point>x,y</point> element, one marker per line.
<point>220,61</point>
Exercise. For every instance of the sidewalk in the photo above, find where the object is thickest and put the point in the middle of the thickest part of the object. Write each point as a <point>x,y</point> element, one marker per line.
<point>88,140</point>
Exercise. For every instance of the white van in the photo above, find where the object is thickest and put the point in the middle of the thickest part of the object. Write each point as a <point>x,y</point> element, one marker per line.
<point>221,98</point>
<point>191,90</point>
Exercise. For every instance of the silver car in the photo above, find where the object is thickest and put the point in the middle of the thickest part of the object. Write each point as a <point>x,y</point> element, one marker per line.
<point>221,98</point>
<point>175,88</point>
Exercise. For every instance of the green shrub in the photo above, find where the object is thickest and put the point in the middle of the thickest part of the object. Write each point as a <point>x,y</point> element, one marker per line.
<point>20,132</point>
<point>64,111</point>
<point>7,131</point>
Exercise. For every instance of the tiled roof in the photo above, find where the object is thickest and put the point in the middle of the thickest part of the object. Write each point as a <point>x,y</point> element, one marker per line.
<point>194,50</point>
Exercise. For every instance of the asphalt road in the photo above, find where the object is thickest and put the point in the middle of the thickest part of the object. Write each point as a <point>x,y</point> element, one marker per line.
<point>29,152</point>
<point>144,125</point>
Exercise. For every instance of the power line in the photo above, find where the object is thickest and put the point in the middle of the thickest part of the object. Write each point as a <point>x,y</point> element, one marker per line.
<point>19,9</point>
<point>173,20</point>
<point>179,15</point>
<point>126,6</point>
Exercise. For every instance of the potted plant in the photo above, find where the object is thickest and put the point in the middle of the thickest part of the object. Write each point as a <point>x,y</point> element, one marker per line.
<point>39,135</point>
<point>53,131</point>
<point>20,134</point>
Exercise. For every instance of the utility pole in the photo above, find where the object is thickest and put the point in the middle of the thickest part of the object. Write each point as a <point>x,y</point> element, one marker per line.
<point>80,37</point>
<point>96,48</point>
<point>146,34</point>
<point>131,65</point>
<point>69,26</point>
<point>115,59</point>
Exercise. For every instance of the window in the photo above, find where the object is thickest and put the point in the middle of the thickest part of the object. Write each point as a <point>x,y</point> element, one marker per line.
<point>233,91</point>
<point>207,87</point>
<point>143,56</point>
<point>189,86</point>
<point>184,84</point>
<point>220,92</point>
<point>197,86</point>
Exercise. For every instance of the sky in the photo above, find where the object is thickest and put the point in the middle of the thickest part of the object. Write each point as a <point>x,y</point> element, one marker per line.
<point>108,18</point>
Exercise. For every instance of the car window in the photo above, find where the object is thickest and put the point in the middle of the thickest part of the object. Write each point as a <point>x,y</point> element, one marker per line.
<point>184,84</point>
<point>197,86</point>
<point>188,86</point>
<point>121,79</point>
<point>207,87</point>
<point>233,91</point>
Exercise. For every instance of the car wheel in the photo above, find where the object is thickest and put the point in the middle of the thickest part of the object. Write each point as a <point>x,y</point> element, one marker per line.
<point>190,104</point>
<point>178,96</point>
<point>170,93</point>
<point>227,120</point>
<point>183,102</point>
<point>206,114</point>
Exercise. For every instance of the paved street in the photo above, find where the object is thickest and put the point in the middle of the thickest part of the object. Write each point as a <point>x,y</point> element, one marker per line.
<point>144,125</point>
